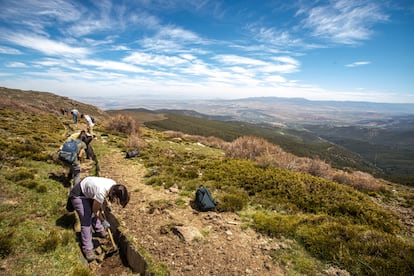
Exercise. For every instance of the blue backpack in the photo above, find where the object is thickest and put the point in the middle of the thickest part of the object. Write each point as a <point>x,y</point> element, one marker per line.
<point>204,201</point>
<point>69,151</point>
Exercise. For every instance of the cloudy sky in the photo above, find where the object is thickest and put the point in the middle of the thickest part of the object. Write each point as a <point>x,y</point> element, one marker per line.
<point>320,50</point>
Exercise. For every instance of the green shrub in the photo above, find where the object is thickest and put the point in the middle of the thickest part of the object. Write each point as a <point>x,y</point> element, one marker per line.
<point>21,174</point>
<point>50,243</point>
<point>81,271</point>
<point>361,250</point>
<point>275,225</point>
<point>33,185</point>
<point>41,188</point>
<point>232,200</point>
<point>29,183</point>
<point>277,189</point>
<point>67,237</point>
<point>6,243</point>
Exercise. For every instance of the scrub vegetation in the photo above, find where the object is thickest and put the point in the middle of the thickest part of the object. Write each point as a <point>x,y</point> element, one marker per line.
<point>329,221</point>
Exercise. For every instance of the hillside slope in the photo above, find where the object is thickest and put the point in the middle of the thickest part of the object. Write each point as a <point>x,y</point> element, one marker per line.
<point>45,102</point>
<point>269,221</point>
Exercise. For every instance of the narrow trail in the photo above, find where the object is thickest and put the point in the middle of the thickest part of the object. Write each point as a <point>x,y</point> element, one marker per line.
<point>221,245</point>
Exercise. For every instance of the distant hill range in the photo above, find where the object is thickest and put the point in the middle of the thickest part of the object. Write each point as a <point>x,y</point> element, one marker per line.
<point>367,139</point>
<point>275,110</point>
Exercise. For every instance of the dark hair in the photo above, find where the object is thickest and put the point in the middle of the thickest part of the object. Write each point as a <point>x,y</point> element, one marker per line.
<point>84,137</point>
<point>119,193</point>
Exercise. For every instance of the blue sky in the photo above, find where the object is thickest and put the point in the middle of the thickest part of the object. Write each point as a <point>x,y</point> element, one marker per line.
<point>358,50</point>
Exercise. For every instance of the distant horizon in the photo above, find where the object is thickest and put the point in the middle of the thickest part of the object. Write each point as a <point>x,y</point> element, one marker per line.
<point>343,50</point>
<point>180,99</point>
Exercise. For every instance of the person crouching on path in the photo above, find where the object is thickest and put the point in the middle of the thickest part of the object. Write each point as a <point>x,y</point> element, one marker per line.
<point>75,166</point>
<point>87,198</point>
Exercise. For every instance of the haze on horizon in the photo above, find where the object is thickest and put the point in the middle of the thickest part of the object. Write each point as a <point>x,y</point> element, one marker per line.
<point>344,50</point>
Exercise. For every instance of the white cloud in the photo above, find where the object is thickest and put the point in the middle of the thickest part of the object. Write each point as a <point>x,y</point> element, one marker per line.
<point>38,14</point>
<point>111,65</point>
<point>9,51</point>
<point>44,45</point>
<point>234,59</point>
<point>154,60</point>
<point>282,64</point>
<point>179,34</point>
<point>120,48</point>
<point>358,63</point>
<point>343,21</point>
<point>16,65</point>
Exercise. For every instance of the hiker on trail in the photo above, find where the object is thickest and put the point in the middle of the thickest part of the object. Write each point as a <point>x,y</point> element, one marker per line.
<point>75,114</point>
<point>87,198</point>
<point>89,123</point>
<point>73,163</point>
<point>87,138</point>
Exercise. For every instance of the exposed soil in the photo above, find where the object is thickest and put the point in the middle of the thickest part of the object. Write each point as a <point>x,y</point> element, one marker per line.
<point>190,242</point>
<point>186,241</point>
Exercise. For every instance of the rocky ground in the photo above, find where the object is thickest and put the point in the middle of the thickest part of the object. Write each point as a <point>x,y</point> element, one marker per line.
<point>186,241</point>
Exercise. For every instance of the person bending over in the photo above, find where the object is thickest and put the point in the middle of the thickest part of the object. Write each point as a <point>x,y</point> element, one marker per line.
<point>87,198</point>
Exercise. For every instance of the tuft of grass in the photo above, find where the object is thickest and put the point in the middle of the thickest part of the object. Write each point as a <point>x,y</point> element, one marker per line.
<point>21,174</point>
<point>180,202</point>
<point>160,205</point>
<point>296,260</point>
<point>6,243</point>
<point>361,250</point>
<point>232,200</point>
<point>50,243</point>
<point>81,271</point>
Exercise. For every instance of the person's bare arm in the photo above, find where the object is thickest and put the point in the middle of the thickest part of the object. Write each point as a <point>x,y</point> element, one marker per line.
<point>80,155</point>
<point>96,209</point>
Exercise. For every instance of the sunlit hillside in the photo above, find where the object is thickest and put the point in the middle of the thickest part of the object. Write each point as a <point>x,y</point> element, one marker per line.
<point>295,222</point>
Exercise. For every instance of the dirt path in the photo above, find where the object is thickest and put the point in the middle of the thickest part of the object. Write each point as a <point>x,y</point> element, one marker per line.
<point>211,243</point>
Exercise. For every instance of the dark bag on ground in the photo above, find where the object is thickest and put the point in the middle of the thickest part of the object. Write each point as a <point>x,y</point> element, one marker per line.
<point>69,152</point>
<point>204,201</point>
<point>132,154</point>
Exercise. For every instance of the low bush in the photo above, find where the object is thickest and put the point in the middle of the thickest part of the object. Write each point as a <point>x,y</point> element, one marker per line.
<point>123,124</point>
<point>21,174</point>
<point>267,154</point>
<point>210,141</point>
<point>359,249</point>
<point>134,141</point>
<point>6,243</point>
<point>50,243</point>
<point>232,200</point>
<point>273,188</point>
<point>359,180</point>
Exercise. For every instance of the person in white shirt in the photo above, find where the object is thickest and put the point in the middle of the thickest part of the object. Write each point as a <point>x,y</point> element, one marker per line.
<point>89,124</point>
<point>87,198</point>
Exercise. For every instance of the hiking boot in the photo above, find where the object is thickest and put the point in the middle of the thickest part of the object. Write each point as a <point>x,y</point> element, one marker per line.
<point>90,256</point>
<point>101,235</point>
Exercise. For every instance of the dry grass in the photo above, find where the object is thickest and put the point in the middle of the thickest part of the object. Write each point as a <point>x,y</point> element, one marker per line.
<point>268,154</point>
<point>123,124</point>
<point>210,141</point>
<point>134,141</point>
